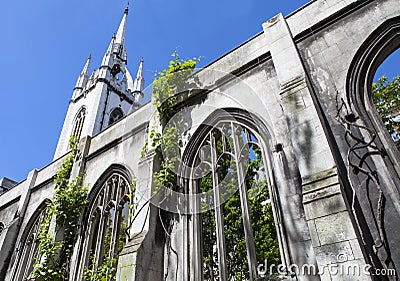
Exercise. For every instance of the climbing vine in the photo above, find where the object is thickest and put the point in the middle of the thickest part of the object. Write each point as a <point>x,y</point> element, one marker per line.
<point>58,231</point>
<point>168,87</point>
<point>106,271</point>
<point>171,82</point>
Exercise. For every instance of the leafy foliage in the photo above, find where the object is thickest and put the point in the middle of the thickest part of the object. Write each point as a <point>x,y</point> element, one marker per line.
<point>105,268</point>
<point>386,97</point>
<point>167,86</point>
<point>170,82</point>
<point>58,231</point>
<point>104,272</point>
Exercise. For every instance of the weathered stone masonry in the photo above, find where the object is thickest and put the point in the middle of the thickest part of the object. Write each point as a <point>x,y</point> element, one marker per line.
<point>303,84</point>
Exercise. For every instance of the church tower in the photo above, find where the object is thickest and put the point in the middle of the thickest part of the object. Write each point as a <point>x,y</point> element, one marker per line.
<point>105,96</point>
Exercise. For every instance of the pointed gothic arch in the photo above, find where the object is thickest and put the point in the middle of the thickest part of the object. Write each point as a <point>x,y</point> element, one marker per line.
<point>215,155</point>
<point>78,122</point>
<point>378,46</point>
<point>105,219</point>
<point>27,252</point>
<point>376,162</point>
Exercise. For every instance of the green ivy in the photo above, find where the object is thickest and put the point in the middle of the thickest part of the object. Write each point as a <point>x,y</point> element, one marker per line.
<point>168,84</point>
<point>104,272</point>
<point>58,231</point>
<point>131,203</point>
<point>144,148</point>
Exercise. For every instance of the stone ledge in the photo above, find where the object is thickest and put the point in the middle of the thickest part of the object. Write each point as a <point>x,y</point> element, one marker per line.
<point>320,180</point>
<point>134,244</point>
<point>296,84</point>
<point>321,193</point>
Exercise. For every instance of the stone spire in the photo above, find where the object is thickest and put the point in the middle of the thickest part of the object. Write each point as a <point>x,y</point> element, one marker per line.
<point>120,37</point>
<point>138,84</point>
<point>117,44</point>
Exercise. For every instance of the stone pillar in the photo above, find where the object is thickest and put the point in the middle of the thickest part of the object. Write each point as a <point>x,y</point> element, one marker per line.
<point>329,225</point>
<point>142,256</point>
<point>306,132</point>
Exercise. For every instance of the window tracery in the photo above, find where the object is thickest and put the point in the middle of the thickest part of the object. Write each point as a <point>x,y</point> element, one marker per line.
<point>78,123</point>
<point>109,215</point>
<point>238,231</point>
<point>29,250</point>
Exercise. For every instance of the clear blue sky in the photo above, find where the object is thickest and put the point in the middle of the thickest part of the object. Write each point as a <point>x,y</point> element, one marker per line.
<point>45,45</point>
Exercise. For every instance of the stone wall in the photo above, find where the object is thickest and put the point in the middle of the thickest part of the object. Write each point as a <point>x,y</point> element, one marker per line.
<point>286,81</point>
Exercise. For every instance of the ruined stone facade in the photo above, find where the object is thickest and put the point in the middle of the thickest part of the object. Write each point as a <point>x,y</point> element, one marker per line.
<point>302,88</point>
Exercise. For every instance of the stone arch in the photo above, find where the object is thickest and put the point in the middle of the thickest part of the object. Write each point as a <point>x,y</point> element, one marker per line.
<point>114,168</point>
<point>259,127</point>
<point>377,47</point>
<point>78,122</point>
<point>26,250</point>
<point>244,116</point>
<point>95,214</point>
<point>378,167</point>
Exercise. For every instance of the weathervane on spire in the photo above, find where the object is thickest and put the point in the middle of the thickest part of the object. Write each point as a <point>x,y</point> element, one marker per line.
<point>127,8</point>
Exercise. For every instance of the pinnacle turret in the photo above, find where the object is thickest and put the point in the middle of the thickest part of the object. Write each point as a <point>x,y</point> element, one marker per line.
<point>138,84</point>
<point>83,78</point>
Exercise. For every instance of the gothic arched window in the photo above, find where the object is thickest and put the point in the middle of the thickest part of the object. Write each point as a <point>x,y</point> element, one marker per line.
<point>1,227</point>
<point>107,229</point>
<point>235,230</point>
<point>29,250</point>
<point>115,115</point>
<point>78,123</point>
